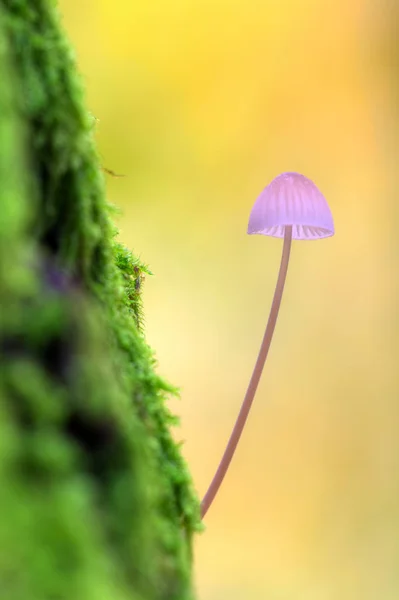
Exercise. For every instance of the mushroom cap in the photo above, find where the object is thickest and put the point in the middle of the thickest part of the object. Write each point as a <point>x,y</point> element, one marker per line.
<point>291,199</point>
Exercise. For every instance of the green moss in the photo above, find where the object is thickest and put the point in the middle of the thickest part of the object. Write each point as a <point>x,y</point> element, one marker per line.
<point>133,273</point>
<point>95,498</point>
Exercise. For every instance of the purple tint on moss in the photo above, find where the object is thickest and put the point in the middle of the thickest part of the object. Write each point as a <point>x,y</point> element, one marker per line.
<point>291,199</point>
<point>56,279</point>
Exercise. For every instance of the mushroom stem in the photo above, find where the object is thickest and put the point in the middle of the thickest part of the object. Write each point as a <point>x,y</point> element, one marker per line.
<point>254,381</point>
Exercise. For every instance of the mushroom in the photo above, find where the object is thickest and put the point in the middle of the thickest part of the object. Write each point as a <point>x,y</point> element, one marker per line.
<point>290,207</point>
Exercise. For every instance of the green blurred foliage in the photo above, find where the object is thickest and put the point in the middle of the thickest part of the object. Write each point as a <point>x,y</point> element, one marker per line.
<point>95,498</point>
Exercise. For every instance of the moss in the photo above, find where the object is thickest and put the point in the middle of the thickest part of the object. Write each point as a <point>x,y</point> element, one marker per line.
<point>133,273</point>
<point>95,498</point>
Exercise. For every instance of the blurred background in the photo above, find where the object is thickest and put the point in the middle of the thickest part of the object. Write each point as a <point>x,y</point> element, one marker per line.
<point>200,104</point>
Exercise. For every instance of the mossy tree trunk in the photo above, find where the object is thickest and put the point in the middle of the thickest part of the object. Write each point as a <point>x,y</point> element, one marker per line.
<point>96,502</point>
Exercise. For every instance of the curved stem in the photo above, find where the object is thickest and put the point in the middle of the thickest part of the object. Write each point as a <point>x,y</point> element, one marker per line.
<point>254,381</point>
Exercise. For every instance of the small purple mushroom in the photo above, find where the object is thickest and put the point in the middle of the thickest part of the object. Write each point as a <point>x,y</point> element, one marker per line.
<point>290,207</point>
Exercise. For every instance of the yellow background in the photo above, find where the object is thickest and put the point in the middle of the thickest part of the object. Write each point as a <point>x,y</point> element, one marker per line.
<point>200,104</point>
